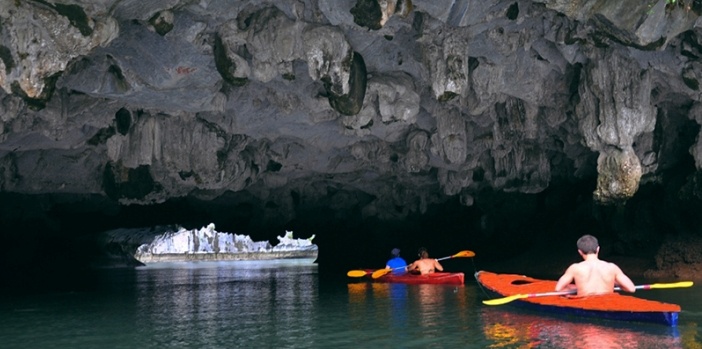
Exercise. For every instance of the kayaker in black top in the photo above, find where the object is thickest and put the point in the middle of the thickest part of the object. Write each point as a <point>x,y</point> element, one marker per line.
<point>593,276</point>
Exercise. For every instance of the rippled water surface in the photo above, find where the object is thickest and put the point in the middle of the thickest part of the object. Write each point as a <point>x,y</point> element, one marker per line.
<point>286,304</point>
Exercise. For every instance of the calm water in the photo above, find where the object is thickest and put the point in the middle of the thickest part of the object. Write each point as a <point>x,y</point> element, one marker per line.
<point>288,305</point>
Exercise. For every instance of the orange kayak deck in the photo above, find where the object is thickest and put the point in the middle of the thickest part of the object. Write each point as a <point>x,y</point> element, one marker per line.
<point>610,306</point>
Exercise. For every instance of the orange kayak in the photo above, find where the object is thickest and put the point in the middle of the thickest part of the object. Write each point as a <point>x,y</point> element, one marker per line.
<point>438,278</point>
<point>612,306</point>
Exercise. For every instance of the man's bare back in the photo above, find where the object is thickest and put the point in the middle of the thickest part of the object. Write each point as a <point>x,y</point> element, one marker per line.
<point>594,276</point>
<point>425,266</point>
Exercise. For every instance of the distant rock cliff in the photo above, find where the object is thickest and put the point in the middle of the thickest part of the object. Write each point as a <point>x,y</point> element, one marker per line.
<point>207,244</point>
<point>363,109</point>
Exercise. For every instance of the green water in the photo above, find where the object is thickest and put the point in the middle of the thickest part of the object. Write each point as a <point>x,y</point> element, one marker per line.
<point>289,305</point>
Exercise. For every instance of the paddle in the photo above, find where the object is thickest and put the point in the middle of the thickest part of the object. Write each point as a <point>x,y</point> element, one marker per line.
<point>380,272</point>
<point>357,273</point>
<point>504,300</point>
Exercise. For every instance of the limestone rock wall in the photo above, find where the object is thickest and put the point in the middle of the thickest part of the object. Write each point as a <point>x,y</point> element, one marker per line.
<point>385,106</point>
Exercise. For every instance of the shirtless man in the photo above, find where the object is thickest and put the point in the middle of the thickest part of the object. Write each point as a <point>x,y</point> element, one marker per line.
<point>424,264</point>
<point>593,276</point>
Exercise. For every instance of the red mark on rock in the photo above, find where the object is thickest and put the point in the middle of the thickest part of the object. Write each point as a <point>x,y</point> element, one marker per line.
<point>185,70</point>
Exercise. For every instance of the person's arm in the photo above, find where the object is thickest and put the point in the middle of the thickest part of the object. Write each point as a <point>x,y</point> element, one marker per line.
<point>566,279</point>
<point>623,281</point>
<point>438,266</point>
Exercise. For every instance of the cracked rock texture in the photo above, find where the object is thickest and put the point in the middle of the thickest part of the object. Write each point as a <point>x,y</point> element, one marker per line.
<point>515,116</point>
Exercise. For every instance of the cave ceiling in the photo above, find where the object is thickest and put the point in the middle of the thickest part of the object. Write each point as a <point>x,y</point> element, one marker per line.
<point>381,106</point>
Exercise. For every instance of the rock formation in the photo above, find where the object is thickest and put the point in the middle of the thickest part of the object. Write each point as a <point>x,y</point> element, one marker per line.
<point>375,110</point>
<point>210,245</point>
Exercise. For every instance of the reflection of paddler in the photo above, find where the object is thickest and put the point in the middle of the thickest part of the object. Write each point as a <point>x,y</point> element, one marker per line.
<point>520,330</point>
<point>375,295</point>
<point>398,293</point>
<point>431,299</point>
<point>398,301</point>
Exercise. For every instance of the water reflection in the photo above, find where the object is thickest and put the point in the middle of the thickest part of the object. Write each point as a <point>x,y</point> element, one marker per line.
<point>407,311</point>
<point>398,306</point>
<point>429,298</point>
<point>220,302</point>
<point>511,328</point>
<point>691,336</point>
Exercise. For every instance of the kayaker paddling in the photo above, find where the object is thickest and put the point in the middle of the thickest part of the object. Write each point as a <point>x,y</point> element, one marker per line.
<point>425,265</point>
<point>536,294</point>
<point>593,276</point>
<point>397,264</point>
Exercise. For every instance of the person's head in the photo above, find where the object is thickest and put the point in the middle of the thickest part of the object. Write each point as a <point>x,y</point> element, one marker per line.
<point>587,244</point>
<point>423,253</point>
<point>395,252</point>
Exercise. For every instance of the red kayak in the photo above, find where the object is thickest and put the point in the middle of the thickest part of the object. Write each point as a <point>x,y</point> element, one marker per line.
<point>528,292</point>
<point>438,278</point>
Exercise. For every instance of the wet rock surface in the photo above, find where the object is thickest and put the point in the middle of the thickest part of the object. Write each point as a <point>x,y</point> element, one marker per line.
<point>678,257</point>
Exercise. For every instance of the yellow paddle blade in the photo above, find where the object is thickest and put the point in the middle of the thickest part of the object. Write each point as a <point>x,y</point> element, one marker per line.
<point>504,300</point>
<point>500,301</point>
<point>356,273</point>
<point>465,253</point>
<point>380,272</point>
<point>672,285</point>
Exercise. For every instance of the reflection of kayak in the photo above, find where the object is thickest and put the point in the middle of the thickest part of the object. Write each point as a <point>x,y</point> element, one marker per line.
<point>613,306</point>
<point>438,278</point>
<point>507,327</point>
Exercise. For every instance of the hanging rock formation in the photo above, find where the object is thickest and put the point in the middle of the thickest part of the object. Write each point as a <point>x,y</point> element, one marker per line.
<point>375,109</point>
